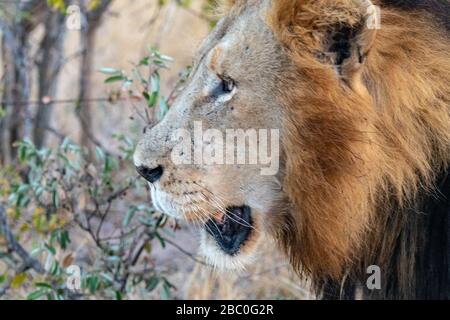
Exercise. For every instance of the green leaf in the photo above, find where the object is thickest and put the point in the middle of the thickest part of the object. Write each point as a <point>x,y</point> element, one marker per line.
<point>92,283</point>
<point>22,153</point>
<point>65,145</point>
<point>161,239</point>
<point>144,61</point>
<point>55,198</point>
<point>107,277</point>
<point>128,216</point>
<point>43,285</point>
<point>54,269</point>
<point>165,292</point>
<point>152,284</point>
<point>113,259</point>
<point>165,58</point>
<point>153,98</point>
<point>155,82</point>
<point>109,71</point>
<point>115,79</point>
<point>64,239</point>
<point>36,294</point>
<point>50,249</point>
<point>163,108</point>
<point>65,160</point>
<point>127,84</point>
<point>146,95</point>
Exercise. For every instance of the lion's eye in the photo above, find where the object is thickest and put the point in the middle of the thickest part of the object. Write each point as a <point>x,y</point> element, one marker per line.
<point>228,84</point>
<point>224,88</point>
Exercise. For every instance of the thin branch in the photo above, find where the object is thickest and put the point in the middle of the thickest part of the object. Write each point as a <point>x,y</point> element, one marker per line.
<point>185,252</point>
<point>14,246</point>
<point>22,268</point>
<point>55,132</point>
<point>102,220</point>
<point>122,191</point>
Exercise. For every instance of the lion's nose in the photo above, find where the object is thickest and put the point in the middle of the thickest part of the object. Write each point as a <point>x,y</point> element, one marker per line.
<point>151,175</point>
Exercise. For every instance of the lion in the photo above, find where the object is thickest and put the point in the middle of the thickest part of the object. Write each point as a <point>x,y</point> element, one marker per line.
<point>360,93</point>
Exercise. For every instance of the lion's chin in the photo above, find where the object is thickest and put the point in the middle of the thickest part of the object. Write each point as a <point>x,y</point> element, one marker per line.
<point>222,261</point>
<point>229,243</point>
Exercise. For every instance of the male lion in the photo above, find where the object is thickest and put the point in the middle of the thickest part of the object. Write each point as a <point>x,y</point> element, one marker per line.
<point>362,107</point>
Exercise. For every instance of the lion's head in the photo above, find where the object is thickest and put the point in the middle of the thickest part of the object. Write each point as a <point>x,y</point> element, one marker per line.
<point>356,122</point>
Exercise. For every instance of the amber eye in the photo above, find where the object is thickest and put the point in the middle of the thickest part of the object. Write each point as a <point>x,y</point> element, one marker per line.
<point>224,88</point>
<point>228,84</point>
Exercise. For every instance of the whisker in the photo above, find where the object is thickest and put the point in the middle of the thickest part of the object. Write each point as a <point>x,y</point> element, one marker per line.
<point>212,220</point>
<point>230,214</point>
<point>204,218</point>
<point>217,202</point>
<point>216,199</point>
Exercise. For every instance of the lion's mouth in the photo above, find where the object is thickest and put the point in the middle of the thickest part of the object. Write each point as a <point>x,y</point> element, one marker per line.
<point>232,229</point>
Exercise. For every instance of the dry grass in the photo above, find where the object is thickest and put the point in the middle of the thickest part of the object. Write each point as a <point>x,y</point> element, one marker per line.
<point>269,278</point>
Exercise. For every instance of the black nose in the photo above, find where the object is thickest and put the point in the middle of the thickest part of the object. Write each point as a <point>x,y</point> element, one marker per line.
<point>151,175</point>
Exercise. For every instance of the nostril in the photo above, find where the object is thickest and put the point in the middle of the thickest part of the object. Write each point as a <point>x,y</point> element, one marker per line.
<point>151,175</point>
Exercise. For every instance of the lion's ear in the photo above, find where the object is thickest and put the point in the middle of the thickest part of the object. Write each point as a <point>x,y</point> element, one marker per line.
<point>346,43</point>
<point>338,32</point>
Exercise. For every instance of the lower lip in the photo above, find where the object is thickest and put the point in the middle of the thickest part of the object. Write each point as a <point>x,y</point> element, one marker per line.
<point>235,234</point>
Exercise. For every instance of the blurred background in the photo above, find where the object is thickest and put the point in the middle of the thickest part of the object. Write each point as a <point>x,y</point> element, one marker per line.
<point>79,80</point>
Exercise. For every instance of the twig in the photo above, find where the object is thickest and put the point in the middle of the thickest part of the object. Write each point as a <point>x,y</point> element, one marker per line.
<point>122,191</point>
<point>14,246</point>
<point>55,132</point>
<point>118,237</point>
<point>22,268</point>
<point>185,252</point>
<point>102,220</point>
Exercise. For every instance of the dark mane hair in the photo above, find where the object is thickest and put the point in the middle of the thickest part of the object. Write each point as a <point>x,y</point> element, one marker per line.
<point>426,231</point>
<point>439,8</point>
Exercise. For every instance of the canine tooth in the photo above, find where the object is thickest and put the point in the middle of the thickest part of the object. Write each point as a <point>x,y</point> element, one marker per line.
<point>218,216</point>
